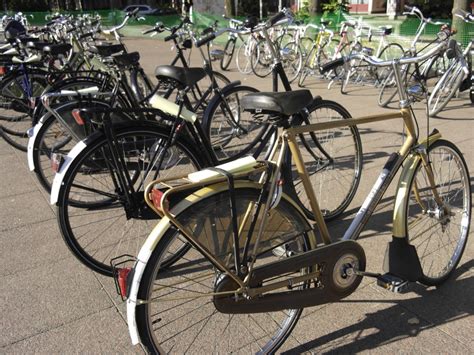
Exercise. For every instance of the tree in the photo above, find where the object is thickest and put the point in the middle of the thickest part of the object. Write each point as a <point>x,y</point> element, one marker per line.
<point>457,23</point>
<point>315,6</point>
<point>229,8</point>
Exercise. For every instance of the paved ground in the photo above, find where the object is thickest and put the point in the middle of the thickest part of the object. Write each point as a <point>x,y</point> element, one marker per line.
<point>50,303</point>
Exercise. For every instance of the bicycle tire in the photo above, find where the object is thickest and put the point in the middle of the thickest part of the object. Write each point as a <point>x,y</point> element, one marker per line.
<point>327,177</point>
<point>445,89</point>
<point>98,228</point>
<point>202,328</point>
<point>140,84</point>
<point>228,53</point>
<point>261,59</point>
<point>307,66</point>
<point>428,226</point>
<point>242,61</point>
<point>389,52</point>
<point>292,60</point>
<point>16,122</point>
<point>228,139</point>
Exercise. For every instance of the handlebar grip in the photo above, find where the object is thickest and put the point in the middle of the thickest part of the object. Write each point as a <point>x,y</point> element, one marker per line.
<point>149,31</point>
<point>205,40</point>
<point>332,64</point>
<point>408,8</point>
<point>134,12</point>
<point>279,16</point>
<point>170,37</point>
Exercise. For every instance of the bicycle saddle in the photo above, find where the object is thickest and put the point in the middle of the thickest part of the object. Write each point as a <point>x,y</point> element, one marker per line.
<point>106,50</point>
<point>25,40</point>
<point>386,30</point>
<point>284,103</point>
<point>127,59</point>
<point>56,49</point>
<point>183,76</point>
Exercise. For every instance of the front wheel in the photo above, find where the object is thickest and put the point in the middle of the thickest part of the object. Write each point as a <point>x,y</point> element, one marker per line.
<point>439,233</point>
<point>445,89</point>
<point>228,53</point>
<point>178,313</point>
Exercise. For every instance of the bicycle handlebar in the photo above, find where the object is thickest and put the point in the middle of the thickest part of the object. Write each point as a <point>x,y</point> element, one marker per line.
<point>464,15</point>
<point>377,62</point>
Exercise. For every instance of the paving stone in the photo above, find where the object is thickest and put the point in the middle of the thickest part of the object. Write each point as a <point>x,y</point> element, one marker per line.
<point>36,300</point>
<point>23,209</point>
<point>101,333</point>
<point>31,246</point>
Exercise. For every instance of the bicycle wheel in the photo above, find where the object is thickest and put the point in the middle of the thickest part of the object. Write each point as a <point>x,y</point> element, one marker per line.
<point>177,316</point>
<point>389,52</point>
<point>95,220</point>
<point>228,53</point>
<point>196,96</point>
<point>308,66</point>
<point>445,89</point>
<point>140,84</point>
<point>439,233</point>
<point>261,59</point>
<point>388,90</point>
<point>15,109</point>
<point>242,59</point>
<point>291,60</point>
<point>329,52</point>
<point>333,159</point>
<point>233,132</point>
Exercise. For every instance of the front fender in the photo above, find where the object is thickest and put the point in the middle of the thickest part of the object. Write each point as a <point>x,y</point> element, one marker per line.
<point>403,188</point>
<point>159,232</point>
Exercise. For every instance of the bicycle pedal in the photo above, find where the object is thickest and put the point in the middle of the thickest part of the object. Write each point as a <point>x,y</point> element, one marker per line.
<point>392,283</point>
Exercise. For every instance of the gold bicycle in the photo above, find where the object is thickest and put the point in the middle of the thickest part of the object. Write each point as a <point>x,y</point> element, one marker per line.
<point>255,261</point>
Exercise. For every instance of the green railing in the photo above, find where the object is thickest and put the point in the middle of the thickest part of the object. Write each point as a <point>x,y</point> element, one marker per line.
<point>404,29</point>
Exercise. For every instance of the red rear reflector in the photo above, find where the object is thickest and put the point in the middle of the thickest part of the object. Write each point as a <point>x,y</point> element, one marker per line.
<point>122,280</point>
<point>76,113</point>
<point>155,197</point>
<point>3,70</point>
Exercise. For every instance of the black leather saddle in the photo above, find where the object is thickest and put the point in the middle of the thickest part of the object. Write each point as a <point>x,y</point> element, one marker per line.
<point>386,30</point>
<point>56,49</point>
<point>25,40</point>
<point>106,50</point>
<point>127,59</point>
<point>183,76</point>
<point>283,103</point>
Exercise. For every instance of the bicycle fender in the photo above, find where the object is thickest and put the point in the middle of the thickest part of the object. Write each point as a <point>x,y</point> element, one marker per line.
<point>154,238</point>
<point>59,177</point>
<point>32,134</point>
<point>403,193</point>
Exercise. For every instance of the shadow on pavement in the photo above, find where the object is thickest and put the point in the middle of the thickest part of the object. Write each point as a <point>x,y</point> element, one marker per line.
<point>389,328</point>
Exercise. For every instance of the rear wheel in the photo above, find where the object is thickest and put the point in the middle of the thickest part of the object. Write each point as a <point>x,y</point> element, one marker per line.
<point>15,109</point>
<point>333,160</point>
<point>439,233</point>
<point>233,132</point>
<point>95,220</point>
<point>179,314</point>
